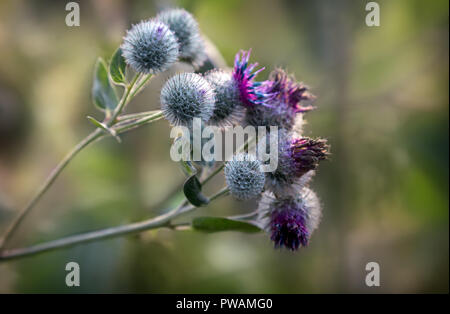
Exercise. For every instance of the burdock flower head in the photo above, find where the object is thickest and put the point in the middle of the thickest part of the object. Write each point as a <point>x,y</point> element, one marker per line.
<point>250,91</point>
<point>288,93</point>
<point>186,96</point>
<point>237,90</point>
<point>150,47</point>
<point>244,177</point>
<point>306,153</point>
<point>290,220</point>
<point>187,32</point>
<point>227,109</point>
<point>298,157</point>
<point>285,105</point>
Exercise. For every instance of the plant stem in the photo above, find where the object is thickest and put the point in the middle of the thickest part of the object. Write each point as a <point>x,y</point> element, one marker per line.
<point>213,174</point>
<point>98,133</point>
<point>157,222</point>
<point>154,117</point>
<point>48,182</point>
<point>141,84</point>
<point>135,116</point>
<point>123,101</point>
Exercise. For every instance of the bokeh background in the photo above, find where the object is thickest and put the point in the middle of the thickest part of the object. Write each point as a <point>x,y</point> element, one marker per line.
<point>383,104</point>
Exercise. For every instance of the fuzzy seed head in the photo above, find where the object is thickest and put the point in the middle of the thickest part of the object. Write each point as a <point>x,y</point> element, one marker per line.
<point>186,29</point>
<point>150,47</point>
<point>244,177</point>
<point>227,110</point>
<point>186,96</point>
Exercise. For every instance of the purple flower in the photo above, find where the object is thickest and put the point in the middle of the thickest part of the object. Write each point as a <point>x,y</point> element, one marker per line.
<point>287,92</point>
<point>287,100</point>
<point>288,228</point>
<point>290,220</point>
<point>251,92</point>
<point>298,157</point>
<point>306,153</point>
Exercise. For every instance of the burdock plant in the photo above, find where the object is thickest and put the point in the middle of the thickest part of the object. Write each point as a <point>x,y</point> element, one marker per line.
<point>287,209</point>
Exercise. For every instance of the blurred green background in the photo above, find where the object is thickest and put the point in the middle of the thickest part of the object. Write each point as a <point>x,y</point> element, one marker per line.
<point>383,105</point>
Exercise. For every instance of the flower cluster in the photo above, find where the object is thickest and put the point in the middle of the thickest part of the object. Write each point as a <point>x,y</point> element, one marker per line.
<point>288,209</point>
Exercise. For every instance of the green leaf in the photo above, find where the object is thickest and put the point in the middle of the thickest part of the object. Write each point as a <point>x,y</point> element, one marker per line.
<point>103,94</point>
<point>117,67</point>
<point>217,224</point>
<point>193,191</point>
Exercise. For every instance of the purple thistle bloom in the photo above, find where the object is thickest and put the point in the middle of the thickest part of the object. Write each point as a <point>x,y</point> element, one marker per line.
<point>288,228</point>
<point>292,219</point>
<point>288,93</point>
<point>251,92</point>
<point>285,104</point>
<point>298,157</point>
<point>306,153</point>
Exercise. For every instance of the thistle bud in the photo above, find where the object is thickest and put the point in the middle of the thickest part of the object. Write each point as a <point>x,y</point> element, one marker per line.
<point>150,47</point>
<point>244,177</point>
<point>186,30</point>
<point>186,96</point>
<point>227,110</point>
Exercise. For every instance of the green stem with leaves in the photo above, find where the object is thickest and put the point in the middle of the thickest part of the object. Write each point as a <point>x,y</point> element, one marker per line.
<point>157,222</point>
<point>164,220</point>
<point>95,135</point>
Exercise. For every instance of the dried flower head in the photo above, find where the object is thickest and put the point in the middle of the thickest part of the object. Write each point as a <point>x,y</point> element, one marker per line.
<point>186,96</point>
<point>150,47</point>
<point>244,177</point>
<point>186,30</point>
<point>227,110</point>
<point>290,220</point>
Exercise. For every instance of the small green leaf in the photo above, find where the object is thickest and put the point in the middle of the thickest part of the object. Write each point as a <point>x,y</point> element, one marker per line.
<point>103,94</point>
<point>217,224</point>
<point>193,191</point>
<point>117,67</point>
